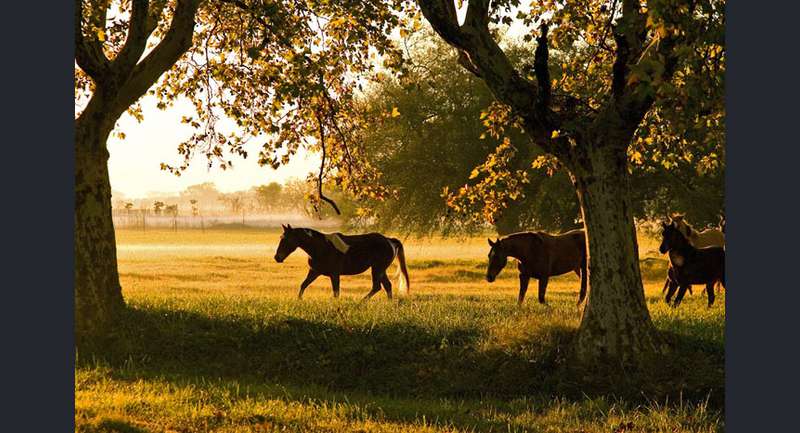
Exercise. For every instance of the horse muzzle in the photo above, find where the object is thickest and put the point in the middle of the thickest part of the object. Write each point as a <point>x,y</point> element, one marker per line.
<point>490,278</point>
<point>279,259</point>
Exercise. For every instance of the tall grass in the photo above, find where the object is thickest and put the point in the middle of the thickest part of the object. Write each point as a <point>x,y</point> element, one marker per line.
<point>213,339</point>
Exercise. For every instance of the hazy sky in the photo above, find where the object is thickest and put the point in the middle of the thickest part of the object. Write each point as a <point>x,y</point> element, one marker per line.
<point>134,164</point>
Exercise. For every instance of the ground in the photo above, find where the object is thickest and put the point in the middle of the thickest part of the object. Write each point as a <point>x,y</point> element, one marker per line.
<point>214,339</point>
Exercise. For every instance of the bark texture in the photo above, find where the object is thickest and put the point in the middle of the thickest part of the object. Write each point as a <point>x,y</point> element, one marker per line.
<point>98,295</point>
<point>616,324</point>
<point>118,84</point>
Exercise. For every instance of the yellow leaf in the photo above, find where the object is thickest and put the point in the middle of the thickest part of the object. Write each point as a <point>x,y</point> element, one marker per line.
<point>395,112</point>
<point>555,134</point>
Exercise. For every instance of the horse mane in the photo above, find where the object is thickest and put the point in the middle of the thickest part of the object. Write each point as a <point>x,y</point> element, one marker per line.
<point>682,225</point>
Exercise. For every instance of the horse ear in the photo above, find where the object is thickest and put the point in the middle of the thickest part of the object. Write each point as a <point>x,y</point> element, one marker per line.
<point>491,244</point>
<point>289,226</point>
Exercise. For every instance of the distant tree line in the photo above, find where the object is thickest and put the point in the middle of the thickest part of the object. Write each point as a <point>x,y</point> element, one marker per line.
<point>205,199</point>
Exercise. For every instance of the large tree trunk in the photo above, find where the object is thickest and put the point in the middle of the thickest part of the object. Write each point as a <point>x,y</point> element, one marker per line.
<point>98,295</point>
<point>616,323</point>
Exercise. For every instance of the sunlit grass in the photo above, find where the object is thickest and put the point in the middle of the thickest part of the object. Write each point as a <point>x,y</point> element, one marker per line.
<point>215,340</point>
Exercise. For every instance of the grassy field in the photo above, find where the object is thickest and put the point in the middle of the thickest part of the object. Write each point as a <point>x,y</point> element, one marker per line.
<point>215,340</point>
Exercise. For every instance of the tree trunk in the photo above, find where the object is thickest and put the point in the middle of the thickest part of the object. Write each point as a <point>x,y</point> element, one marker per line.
<point>616,324</point>
<point>98,294</point>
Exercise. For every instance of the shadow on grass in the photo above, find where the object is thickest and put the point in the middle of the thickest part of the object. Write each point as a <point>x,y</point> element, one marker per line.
<point>392,360</point>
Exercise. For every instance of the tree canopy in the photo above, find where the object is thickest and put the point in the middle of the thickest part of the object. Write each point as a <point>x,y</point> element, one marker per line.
<point>439,127</point>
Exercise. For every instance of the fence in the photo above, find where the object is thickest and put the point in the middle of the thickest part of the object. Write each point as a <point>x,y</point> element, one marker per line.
<point>144,219</point>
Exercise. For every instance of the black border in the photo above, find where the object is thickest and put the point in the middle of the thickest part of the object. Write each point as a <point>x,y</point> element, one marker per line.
<point>761,206</point>
<point>38,173</point>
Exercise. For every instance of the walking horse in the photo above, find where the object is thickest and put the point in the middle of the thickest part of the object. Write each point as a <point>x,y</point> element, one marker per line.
<point>335,254</point>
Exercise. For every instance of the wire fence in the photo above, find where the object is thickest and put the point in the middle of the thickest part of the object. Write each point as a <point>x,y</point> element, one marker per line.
<point>145,219</point>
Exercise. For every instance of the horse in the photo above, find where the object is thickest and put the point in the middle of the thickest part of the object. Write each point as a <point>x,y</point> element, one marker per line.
<point>335,254</point>
<point>698,265</point>
<point>711,237</point>
<point>541,256</point>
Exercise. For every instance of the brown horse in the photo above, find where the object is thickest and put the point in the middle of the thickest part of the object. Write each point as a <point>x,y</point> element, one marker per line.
<point>697,265</point>
<point>336,254</point>
<point>541,256</point>
<point>710,237</point>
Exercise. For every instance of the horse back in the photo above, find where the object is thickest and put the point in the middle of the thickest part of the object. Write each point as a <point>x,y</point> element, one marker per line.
<point>567,251</point>
<point>551,255</point>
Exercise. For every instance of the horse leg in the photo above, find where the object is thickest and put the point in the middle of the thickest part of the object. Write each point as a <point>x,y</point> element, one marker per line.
<point>387,285</point>
<point>542,288</point>
<point>672,287</point>
<point>710,290</point>
<point>584,282</point>
<point>524,279</point>
<point>681,293</point>
<point>312,275</point>
<point>376,287</point>
<point>335,285</point>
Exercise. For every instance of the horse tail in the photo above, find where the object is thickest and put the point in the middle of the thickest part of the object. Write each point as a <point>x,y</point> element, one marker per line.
<point>402,283</point>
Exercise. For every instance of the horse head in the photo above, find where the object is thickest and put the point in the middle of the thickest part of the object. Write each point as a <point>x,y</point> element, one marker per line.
<point>498,258</point>
<point>671,237</point>
<point>289,242</point>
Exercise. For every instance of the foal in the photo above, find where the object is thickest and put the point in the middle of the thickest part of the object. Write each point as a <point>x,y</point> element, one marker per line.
<point>698,265</point>
<point>540,256</point>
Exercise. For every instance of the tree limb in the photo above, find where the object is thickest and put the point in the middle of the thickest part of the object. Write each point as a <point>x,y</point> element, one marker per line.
<point>484,57</point>
<point>629,97</point>
<point>176,41</point>
<point>88,48</point>
<point>541,61</point>
<point>322,166</point>
<point>139,29</point>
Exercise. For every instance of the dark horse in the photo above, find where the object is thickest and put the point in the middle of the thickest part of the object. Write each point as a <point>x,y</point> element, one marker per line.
<point>541,256</point>
<point>336,254</point>
<point>696,265</point>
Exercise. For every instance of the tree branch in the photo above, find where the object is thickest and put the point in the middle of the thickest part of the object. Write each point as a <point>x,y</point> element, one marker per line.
<point>541,61</point>
<point>88,48</point>
<point>441,14</point>
<point>631,99</point>
<point>322,166</point>
<point>484,58</point>
<point>177,40</point>
<point>139,29</point>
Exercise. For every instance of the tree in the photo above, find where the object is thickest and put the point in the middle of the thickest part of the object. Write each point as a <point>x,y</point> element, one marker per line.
<point>283,69</point>
<point>269,197</point>
<point>195,207</point>
<point>624,57</point>
<point>427,129</point>
<point>158,206</point>
<point>234,201</point>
